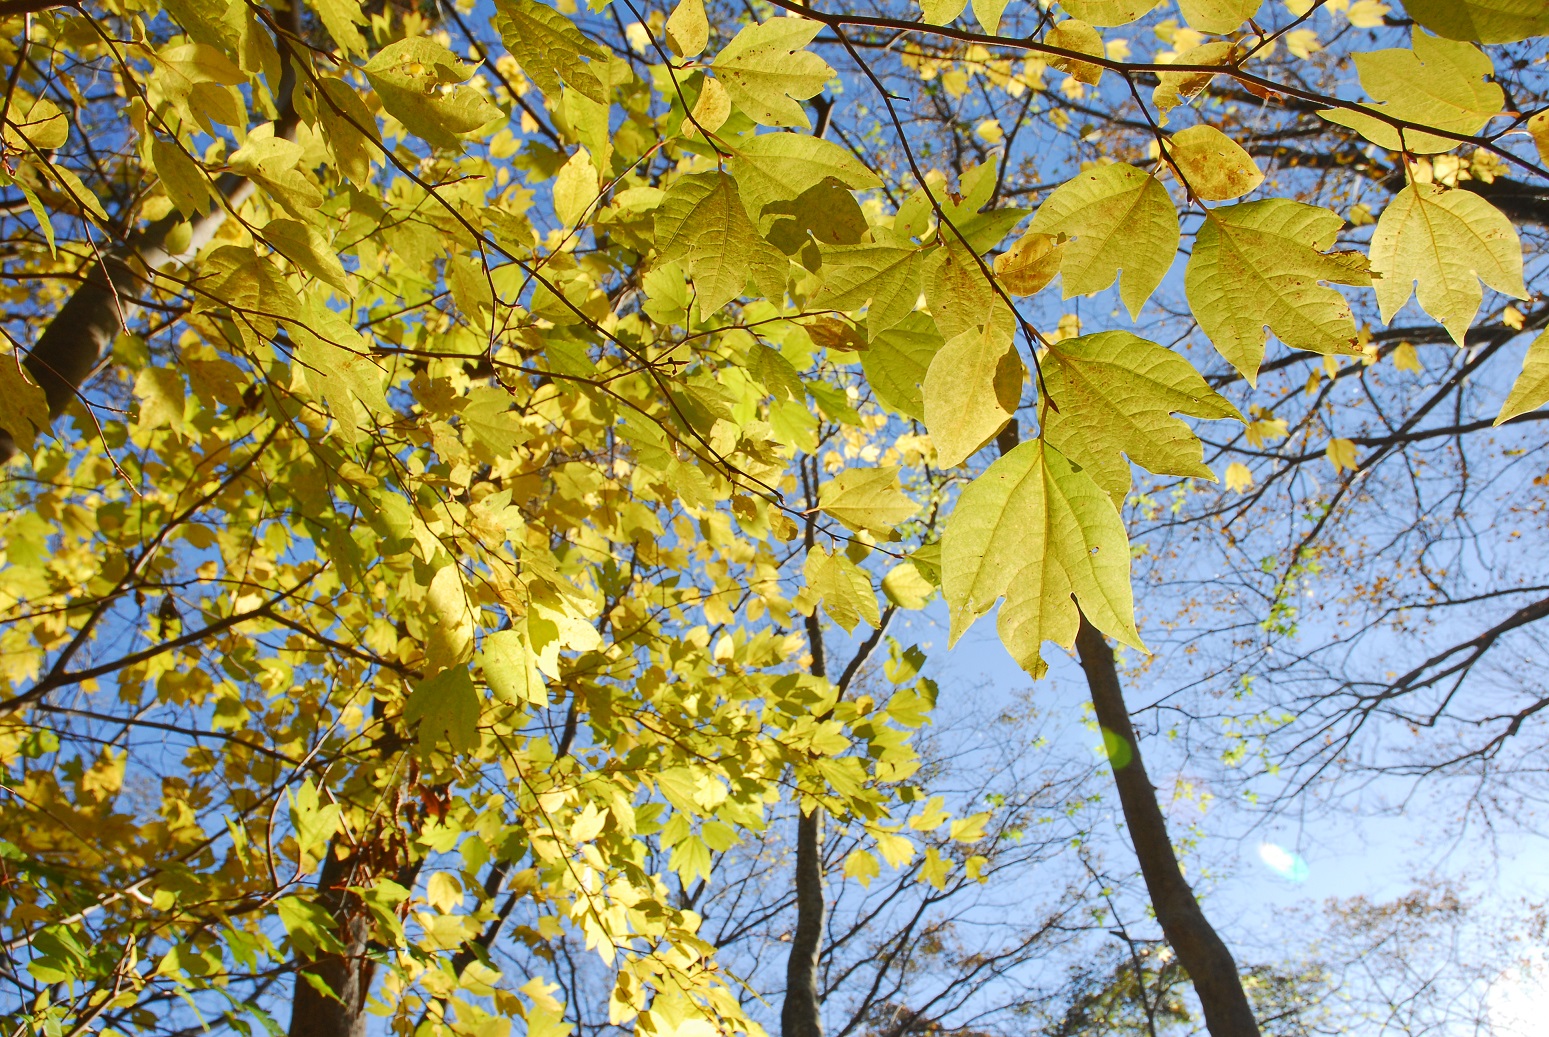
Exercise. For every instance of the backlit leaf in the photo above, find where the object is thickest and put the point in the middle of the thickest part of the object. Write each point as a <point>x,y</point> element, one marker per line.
<point>971,390</point>
<point>768,72</point>
<point>1119,218</point>
<point>867,498</point>
<point>1037,530</point>
<point>1258,265</point>
<point>1439,245</point>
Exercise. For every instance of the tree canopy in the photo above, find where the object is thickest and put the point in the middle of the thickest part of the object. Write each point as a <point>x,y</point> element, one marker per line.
<point>467,459</point>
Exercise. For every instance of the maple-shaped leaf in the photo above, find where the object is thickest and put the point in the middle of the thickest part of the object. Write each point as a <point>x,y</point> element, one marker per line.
<point>1439,245</point>
<point>867,498</point>
<point>767,71</point>
<point>1217,16</point>
<point>1107,12</point>
<point>1258,265</point>
<point>885,276</point>
<point>1438,83</point>
<point>703,222</point>
<point>1483,21</point>
<point>1116,394</point>
<point>1119,218</point>
<point>896,361</point>
<point>1037,530</point>
<point>411,77</point>
<point>1531,389</point>
<point>972,389</point>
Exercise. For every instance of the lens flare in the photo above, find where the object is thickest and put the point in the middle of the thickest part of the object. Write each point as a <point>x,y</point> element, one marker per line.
<point>1283,862</point>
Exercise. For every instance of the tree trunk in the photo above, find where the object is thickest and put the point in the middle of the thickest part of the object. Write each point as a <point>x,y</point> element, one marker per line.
<point>347,975</point>
<point>1201,952</point>
<point>81,334</point>
<point>800,1016</point>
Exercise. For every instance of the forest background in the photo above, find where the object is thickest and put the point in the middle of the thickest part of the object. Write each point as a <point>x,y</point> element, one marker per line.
<point>494,485</point>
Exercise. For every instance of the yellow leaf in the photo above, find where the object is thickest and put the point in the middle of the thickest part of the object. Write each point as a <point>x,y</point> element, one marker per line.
<point>1341,454</point>
<point>1438,245</point>
<point>1239,477</point>
<point>1531,389</point>
<point>1406,359</point>
<point>688,29</point>
<point>1213,166</point>
<point>575,188</point>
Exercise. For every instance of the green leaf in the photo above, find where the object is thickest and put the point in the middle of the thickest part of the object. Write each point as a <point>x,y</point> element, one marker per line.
<point>888,277</point>
<point>1115,393</point>
<point>1439,83</point>
<point>509,669</point>
<point>23,406</point>
<point>162,398</point>
<point>1483,21</point>
<point>767,71</point>
<point>315,822</point>
<point>688,30</point>
<point>1038,530</point>
<point>702,221</point>
<point>957,291</point>
<point>410,77</point>
<point>1439,245</point>
<point>1215,167</point>
<point>1217,16</point>
<point>1107,12</point>
<point>843,587</point>
<point>309,925</point>
<point>896,362</point>
<point>906,587</point>
<point>550,49</point>
<point>1118,217</point>
<point>1531,389</point>
<point>445,706</point>
<point>867,498</point>
<point>575,188</point>
<point>1257,265</point>
<point>490,427</point>
<point>972,389</point>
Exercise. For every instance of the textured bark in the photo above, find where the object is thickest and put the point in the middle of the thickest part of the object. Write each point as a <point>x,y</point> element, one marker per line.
<point>800,1016</point>
<point>348,975</point>
<point>1201,951</point>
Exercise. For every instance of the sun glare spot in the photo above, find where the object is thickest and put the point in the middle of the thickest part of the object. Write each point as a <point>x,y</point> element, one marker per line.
<point>1288,865</point>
